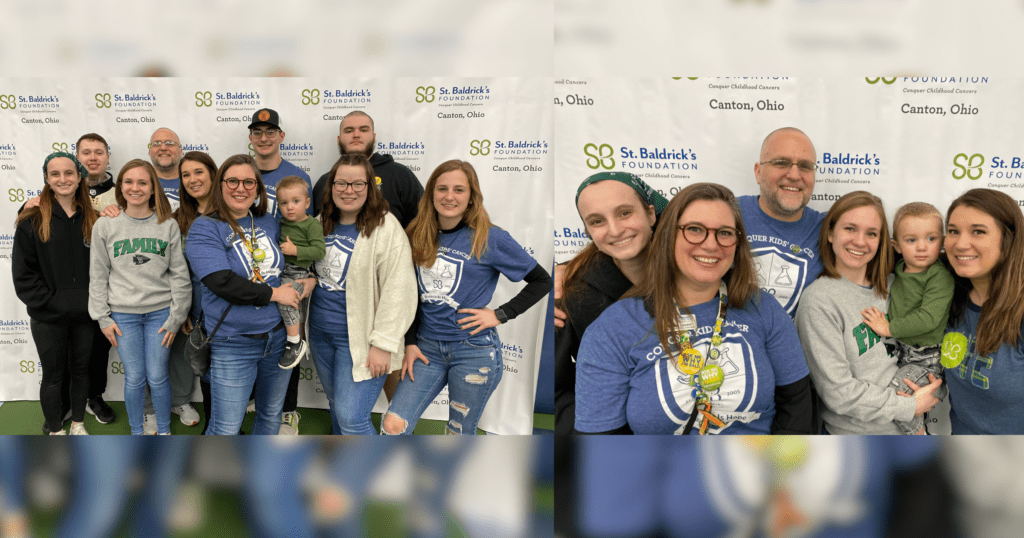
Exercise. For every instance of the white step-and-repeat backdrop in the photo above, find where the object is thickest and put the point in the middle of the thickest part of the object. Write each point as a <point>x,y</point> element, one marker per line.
<point>502,126</point>
<point>902,138</point>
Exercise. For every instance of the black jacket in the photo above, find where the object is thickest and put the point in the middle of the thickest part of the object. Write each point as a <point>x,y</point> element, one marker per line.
<point>397,183</point>
<point>601,286</point>
<point>52,278</point>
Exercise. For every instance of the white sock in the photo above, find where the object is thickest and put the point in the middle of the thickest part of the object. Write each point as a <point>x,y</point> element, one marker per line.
<point>294,339</point>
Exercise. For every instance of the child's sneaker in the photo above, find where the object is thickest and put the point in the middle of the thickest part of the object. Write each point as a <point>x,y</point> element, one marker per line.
<point>293,353</point>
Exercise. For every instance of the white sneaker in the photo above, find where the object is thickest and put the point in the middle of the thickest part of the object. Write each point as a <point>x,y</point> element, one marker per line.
<point>188,414</point>
<point>251,408</point>
<point>149,424</point>
<point>78,428</point>
<point>289,423</point>
<point>61,432</point>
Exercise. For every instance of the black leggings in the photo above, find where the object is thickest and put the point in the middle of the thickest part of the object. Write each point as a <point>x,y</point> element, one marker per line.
<point>63,345</point>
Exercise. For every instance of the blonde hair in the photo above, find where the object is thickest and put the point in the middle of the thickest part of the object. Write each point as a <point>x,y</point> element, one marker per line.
<point>915,209</point>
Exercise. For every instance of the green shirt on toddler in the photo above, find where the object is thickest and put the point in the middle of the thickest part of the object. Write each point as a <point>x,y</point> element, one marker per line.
<point>919,305</point>
<point>308,238</point>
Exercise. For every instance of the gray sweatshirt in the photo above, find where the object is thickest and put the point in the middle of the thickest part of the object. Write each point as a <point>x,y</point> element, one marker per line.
<point>851,366</point>
<point>137,267</point>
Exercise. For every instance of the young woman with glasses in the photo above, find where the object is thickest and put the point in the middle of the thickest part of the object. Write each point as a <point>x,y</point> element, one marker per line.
<point>365,299</point>
<point>458,256</point>
<point>233,250</point>
<point>852,367</point>
<point>694,347</point>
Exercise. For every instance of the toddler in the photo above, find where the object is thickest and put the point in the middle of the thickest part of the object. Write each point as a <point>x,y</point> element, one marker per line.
<point>302,244</point>
<point>919,301</point>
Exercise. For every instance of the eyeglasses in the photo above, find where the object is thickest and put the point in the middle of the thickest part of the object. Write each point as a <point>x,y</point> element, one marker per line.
<point>785,164</point>
<point>232,183</point>
<point>695,233</point>
<point>258,133</point>
<point>168,143</point>
<point>358,186</point>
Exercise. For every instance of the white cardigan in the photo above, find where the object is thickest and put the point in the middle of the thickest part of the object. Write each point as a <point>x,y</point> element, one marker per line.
<point>381,295</point>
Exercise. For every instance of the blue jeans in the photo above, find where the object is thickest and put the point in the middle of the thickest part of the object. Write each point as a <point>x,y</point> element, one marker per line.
<point>145,361</point>
<point>100,487</point>
<point>237,363</point>
<point>471,368</point>
<point>350,401</point>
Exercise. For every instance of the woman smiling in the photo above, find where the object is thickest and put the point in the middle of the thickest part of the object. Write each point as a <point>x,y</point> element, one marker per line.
<point>234,252</point>
<point>694,347</point>
<point>139,290</point>
<point>619,211</point>
<point>983,348</point>
<point>850,364</point>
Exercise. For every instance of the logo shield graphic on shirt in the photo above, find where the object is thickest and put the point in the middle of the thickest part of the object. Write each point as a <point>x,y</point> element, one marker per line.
<point>331,269</point>
<point>442,278</point>
<point>731,402</point>
<point>781,274</point>
<point>268,265</point>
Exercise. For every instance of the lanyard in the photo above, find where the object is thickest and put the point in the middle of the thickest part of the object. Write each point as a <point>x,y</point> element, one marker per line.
<point>704,372</point>
<point>258,255</point>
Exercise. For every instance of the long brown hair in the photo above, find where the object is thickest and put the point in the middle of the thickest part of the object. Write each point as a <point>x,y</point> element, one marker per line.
<point>42,214</point>
<point>583,261</point>
<point>218,208</point>
<point>188,208</point>
<point>658,287</point>
<point>880,266</point>
<point>1001,319</point>
<point>423,229</point>
<point>157,201</point>
<point>374,208</point>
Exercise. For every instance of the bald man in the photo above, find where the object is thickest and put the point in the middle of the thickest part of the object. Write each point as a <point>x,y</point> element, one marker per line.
<point>782,230</point>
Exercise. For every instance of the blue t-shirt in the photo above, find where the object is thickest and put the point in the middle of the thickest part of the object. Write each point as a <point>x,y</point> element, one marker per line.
<point>327,309</point>
<point>197,286</point>
<point>271,179</point>
<point>984,392</point>
<point>458,280</point>
<point>171,187</point>
<point>785,253</point>
<point>624,376</point>
<point>636,486</point>
<point>212,246</point>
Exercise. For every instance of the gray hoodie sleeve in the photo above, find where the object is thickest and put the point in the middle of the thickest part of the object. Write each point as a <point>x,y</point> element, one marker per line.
<point>99,275</point>
<point>181,283</point>
<point>826,329</point>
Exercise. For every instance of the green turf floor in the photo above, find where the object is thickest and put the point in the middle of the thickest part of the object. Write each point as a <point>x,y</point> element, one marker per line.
<point>26,418</point>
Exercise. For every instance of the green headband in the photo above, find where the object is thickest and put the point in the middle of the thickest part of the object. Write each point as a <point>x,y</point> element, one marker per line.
<point>647,194</point>
<point>82,172</point>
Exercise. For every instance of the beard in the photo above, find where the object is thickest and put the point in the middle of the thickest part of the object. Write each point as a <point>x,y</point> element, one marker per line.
<point>368,151</point>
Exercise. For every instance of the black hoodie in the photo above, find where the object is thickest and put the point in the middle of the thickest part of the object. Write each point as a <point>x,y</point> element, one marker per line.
<point>52,278</point>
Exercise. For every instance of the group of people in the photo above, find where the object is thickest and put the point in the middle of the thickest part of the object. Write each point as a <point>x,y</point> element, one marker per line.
<point>667,322</point>
<point>399,283</point>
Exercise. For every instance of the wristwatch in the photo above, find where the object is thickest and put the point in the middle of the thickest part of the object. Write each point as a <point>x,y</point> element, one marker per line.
<point>500,314</point>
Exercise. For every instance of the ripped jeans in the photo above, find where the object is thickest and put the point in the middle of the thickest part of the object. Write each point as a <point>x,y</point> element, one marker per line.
<point>471,368</point>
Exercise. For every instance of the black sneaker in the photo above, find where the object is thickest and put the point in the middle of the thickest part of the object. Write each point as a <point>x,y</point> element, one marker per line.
<point>293,353</point>
<point>46,427</point>
<point>98,408</point>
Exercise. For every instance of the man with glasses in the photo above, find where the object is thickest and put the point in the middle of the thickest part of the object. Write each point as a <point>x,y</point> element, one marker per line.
<point>266,136</point>
<point>396,182</point>
<point>164,153</point>
<point>782,230</point>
